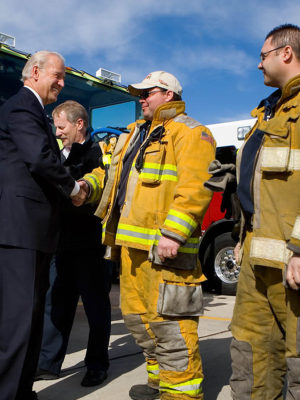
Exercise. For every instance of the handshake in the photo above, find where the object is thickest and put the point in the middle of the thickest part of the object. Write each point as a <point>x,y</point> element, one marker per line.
<point>82,195</point>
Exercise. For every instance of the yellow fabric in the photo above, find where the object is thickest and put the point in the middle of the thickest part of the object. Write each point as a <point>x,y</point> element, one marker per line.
<point>139,289</point>
<point>153,373</point>
<point>182,150</point>
<point>60,145</point>
<point>191,388</point>
<point>265,323</point>
<point>145,236</point>
<point>167,197</point>
<point>264,313</point>
<point>96,184</point>
<point>95,180</point>
<point>276,180</point>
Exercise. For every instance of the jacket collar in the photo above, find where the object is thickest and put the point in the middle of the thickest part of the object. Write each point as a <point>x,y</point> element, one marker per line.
<point>162,114</point>
<point>36,95</point>
<point>168,111</point>
<point>77,149</point>
<point>291,88</point>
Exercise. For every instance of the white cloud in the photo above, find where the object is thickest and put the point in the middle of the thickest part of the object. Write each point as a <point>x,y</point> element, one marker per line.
<point>66,26</point>
<point>113,33</point>
<point>94,25</point>
<point>221,58</point>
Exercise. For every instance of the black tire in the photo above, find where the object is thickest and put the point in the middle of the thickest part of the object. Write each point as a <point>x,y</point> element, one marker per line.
<point>219,265</point>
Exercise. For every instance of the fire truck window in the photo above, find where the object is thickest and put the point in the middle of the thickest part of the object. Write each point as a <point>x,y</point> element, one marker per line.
<point>116,115</point>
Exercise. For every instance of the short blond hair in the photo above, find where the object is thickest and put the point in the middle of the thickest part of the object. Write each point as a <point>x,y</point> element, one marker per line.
<point>38,59</point>
<point>73,110</point>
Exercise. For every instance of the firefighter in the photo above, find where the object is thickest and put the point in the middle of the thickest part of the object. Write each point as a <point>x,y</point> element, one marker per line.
<point>152,208</point>
<point>265,325</point>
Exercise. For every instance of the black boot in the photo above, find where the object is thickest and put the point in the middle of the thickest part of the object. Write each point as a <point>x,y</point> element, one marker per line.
<point>94,377</point>
<point>143,392</point>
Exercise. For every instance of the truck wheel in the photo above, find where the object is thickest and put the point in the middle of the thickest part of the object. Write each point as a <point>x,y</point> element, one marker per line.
<point>219,264</point>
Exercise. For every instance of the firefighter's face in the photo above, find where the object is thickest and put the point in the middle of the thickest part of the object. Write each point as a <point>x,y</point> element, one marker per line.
<point>271,63</point>
<point>151,99</point>
<point>66,131</point>
<point>49,80</point>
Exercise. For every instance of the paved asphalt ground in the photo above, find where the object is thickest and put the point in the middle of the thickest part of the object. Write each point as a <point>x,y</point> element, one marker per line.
<point>127,366</point>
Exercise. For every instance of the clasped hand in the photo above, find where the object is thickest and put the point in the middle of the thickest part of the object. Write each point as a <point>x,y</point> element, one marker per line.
<point>82,195</point>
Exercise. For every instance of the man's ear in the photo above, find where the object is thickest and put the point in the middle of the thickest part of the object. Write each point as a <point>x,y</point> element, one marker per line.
<point>287,53</point>
<point>169,95</point>
<point>35,72</point>
<point>80,123</point>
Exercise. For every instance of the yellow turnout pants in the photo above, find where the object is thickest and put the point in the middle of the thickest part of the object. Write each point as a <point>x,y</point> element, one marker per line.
<point>170,344</point>
<point>266,335</point>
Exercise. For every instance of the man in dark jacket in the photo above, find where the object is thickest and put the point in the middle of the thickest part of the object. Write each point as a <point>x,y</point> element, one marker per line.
<point>32,185</point>
<point>78,268</point>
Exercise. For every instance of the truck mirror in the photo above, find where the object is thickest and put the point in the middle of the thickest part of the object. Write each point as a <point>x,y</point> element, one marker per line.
<point>242,131</point>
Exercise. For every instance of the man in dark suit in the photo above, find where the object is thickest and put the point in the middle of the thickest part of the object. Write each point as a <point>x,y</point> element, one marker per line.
<point>32,183</point>
<point>78,269</point>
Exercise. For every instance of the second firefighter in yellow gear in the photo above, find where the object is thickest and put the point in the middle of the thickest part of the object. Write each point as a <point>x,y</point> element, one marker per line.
<point>154,195</point>
<point>265,325</point>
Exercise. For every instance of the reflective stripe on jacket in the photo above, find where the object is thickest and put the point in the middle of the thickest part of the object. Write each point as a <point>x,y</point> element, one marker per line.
<point>276,181</point>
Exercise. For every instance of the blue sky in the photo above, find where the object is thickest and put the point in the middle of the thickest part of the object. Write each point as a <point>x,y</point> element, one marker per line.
<point>212,46</point>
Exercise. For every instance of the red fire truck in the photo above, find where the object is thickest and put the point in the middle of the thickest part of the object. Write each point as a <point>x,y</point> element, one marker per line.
<point>217,244</point>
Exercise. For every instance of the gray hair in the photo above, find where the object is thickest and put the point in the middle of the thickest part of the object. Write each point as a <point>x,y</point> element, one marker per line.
<point>38,59</point>
<point>73,110</point>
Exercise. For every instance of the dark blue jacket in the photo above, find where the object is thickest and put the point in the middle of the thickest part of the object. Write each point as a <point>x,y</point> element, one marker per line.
<point>32,178</point>
<point>80,228</point>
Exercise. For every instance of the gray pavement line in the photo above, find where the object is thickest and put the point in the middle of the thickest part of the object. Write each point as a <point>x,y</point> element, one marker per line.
<point>215,318</point>
<point>214,334</point>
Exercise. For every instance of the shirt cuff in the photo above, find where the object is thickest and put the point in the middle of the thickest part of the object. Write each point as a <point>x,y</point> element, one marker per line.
<point>75,190</point>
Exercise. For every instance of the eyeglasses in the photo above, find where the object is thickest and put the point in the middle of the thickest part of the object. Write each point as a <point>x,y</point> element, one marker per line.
<point>264,55</point>
<point>145,95</point>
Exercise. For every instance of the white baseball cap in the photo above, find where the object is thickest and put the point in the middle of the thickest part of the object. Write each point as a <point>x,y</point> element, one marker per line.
<point>159,79</point>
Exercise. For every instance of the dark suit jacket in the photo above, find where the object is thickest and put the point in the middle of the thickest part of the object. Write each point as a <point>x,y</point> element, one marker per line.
<point>80,228</point>
<point>32,179</point>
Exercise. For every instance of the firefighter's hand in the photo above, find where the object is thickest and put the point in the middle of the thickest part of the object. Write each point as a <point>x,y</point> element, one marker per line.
<point>236,252</point>
<point>167,248</point>
<point>293,272</point>
<point>82,195</point>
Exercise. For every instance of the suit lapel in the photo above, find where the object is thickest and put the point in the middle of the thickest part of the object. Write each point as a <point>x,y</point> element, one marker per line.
<point>47,124</point>
<point>52,138</point>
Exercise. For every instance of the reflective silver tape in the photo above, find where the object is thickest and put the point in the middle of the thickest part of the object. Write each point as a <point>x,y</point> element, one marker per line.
<point>294,163</point>
<point>192,387</point>
<point>181,222</point>
<point>280,158</point>
<point>158,171</point>
<point>270,249</point>
<point>188,121</point>
<point>296,229</point>
<point>275,157</point>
